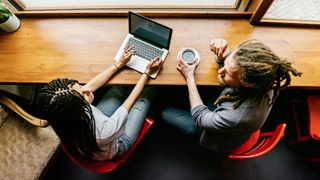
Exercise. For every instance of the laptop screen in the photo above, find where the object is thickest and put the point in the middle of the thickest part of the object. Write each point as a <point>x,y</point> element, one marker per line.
<point>149,30</point>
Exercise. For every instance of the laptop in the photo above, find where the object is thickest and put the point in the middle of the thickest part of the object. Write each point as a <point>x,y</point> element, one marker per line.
<point>150,39</point>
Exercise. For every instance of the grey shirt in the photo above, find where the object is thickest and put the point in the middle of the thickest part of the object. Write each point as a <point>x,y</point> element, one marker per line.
<point>226,128</point>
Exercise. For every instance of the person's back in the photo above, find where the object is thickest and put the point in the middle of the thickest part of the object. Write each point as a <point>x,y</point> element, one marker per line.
<point>252,76</point>
<point>227,127</point>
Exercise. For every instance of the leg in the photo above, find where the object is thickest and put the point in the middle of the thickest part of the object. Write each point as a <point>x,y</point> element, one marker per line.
<point>112,100</point>
<point>136,118</point>
<point>180,119</point>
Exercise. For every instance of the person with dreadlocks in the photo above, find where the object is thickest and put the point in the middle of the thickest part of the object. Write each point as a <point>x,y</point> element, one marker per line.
<point>252,76</point>
<point>103,132</point>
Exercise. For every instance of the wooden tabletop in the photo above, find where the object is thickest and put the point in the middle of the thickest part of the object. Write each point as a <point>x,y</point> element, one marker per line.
<point>79,48</point>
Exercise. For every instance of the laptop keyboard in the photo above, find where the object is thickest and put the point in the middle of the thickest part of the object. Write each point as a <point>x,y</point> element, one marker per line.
<point>144,50</point>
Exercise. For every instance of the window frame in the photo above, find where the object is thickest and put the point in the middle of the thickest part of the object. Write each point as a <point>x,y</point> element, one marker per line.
<point>257,18</point>
<point>239,11</point>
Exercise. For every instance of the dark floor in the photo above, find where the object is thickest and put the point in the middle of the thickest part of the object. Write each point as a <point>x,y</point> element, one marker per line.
<point>165,154</point>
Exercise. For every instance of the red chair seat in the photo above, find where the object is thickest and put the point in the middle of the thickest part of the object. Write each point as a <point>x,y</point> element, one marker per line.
<point>107,166</point>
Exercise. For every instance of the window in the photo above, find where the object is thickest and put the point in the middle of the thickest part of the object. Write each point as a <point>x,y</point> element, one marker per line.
<point>173,6</point>
<point>294,10</point>
<point>288,12</point>
<point>85,4</point>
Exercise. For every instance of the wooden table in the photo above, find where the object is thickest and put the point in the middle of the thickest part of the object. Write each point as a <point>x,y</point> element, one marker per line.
<point>79,48</point>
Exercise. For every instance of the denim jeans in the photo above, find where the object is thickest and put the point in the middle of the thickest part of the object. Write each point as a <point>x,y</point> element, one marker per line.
<point>182,119</point>
<point>114,98</point>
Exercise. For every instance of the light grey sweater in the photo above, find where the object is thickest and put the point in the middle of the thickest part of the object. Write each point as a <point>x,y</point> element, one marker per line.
<point>226,128</point>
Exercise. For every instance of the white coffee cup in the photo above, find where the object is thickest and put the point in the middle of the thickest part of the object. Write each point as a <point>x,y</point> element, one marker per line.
<point>189,55</point>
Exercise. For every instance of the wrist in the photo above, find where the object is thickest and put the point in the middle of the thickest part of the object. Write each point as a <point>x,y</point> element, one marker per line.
<point>190,79</point>
<point>116,66</point>
<point>147,74</point>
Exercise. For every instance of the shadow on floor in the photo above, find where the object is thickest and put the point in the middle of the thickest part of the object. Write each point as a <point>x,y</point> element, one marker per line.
<point>165,154</point>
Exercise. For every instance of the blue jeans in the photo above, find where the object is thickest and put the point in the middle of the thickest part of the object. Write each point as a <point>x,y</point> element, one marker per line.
<point>182,119</point>
<point>114,98</point>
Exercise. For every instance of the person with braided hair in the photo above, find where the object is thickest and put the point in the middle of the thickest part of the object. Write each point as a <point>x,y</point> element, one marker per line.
<point>252,76</point>
<point>108,130</point>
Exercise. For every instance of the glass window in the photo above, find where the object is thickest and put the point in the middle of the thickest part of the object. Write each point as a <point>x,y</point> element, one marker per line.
<point>297,10</point>
<point>138,4</point>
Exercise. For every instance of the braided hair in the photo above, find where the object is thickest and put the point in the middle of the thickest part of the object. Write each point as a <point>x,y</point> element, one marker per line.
<point>69,114</point>
<point>262,68</point>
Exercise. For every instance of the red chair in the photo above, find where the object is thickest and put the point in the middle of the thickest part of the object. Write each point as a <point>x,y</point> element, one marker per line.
<point>314,116</point>
<point>107,166</point>
<point>313,103</point>
<point>247,145</point>
<point>257,145</point>
<point>267,141</point>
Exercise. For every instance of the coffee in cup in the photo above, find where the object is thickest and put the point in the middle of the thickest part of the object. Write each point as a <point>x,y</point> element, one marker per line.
<point>189,55</point>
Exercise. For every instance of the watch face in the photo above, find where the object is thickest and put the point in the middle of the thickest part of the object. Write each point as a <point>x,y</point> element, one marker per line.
<point>188,56</point>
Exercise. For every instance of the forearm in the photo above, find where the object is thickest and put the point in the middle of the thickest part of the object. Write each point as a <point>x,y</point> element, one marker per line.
<point>194,96</point>
<point>128,103</point>
<point>100,79</point>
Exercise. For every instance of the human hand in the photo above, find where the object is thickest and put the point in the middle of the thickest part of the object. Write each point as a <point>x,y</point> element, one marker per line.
<point>187,70</point>
<point>125,58</point>
<point>154,65</point>
<point>88,95</point>
<point>219,47</point>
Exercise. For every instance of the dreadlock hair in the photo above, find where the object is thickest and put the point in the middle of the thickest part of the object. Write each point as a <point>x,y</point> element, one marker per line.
<point>262,68</point>
<point>69,114</point>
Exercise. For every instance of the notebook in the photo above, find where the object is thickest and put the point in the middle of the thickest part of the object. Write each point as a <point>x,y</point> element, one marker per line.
<point>150,39</point>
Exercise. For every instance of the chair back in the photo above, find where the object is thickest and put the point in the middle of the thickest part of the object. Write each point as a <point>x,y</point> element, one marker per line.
<point>314,116</point>
<point>267,141</point>
<point>107,166</point>
<point>247,145</point>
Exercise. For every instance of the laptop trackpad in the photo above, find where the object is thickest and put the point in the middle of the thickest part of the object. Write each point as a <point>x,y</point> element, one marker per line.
<point>137,63</point>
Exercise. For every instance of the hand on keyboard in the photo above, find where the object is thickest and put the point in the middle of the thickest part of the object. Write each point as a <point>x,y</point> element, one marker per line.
<point>144,50</point>
<point>154,65</point>
<point>125,58</point>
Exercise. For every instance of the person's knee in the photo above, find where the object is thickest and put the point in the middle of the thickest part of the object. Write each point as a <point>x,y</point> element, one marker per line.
<point>167,114</point>
<point>180,119</point>
<point>116,91</point>
<point>148,92</point>
<point>145,98</point>
<point>119,89</point>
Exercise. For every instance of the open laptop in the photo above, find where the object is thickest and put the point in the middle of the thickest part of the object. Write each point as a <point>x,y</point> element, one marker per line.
<point>150,39</point>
